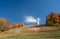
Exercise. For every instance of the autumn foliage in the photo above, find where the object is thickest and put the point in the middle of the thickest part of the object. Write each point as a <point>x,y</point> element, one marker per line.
<point>53,19</point>
<point>5,25</point>
<point>19,25</point>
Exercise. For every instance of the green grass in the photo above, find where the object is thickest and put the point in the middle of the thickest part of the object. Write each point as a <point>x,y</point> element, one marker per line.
<point>39,35</point>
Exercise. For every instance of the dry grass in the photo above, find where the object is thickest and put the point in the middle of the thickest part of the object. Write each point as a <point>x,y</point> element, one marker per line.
<point>33,32</point>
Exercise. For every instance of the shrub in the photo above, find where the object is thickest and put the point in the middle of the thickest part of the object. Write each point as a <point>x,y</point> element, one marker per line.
<point>3,24</point>
<point>9,27</point>
<point>53,19</point>
<point>19,25</point>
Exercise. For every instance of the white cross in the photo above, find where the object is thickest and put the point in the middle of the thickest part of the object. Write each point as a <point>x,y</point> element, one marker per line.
<point>38,21</point>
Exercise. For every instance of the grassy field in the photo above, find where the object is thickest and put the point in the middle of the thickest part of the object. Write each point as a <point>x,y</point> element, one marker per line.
<point>25,33</point>
<point>38,35</point>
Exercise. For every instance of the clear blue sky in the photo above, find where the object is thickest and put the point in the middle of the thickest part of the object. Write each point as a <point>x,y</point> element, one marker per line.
<point>15,10</point>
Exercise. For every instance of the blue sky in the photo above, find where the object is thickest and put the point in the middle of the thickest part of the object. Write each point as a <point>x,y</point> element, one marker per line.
<point>16,10</point>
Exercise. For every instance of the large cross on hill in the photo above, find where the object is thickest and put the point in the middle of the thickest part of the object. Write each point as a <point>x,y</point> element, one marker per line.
<point>38,21</point>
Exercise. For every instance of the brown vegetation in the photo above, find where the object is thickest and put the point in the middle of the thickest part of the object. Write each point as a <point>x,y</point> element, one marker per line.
<point>29,29</point>
<point>5,25</point>
<point>19,25</point>
<point>53,19</point>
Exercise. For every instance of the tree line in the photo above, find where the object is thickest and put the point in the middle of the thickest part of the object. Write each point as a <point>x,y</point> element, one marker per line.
<point>5,25</point>
<point>51,20</point>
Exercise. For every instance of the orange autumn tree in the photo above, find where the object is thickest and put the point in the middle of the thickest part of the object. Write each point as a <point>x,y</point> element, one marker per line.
<point>3,24</point>
<point>53,19</point>
<point>19,25</point>
<point>9,27</point>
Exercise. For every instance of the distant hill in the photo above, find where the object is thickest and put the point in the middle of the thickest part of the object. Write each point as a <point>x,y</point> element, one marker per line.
<point>29,31</point>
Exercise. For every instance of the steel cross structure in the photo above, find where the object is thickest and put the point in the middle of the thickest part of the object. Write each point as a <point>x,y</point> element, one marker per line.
<point>38,21</point>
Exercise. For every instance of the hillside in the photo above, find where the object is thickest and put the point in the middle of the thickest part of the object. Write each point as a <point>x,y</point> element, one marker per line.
<point>31,32</point>
<point>50,30</point>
